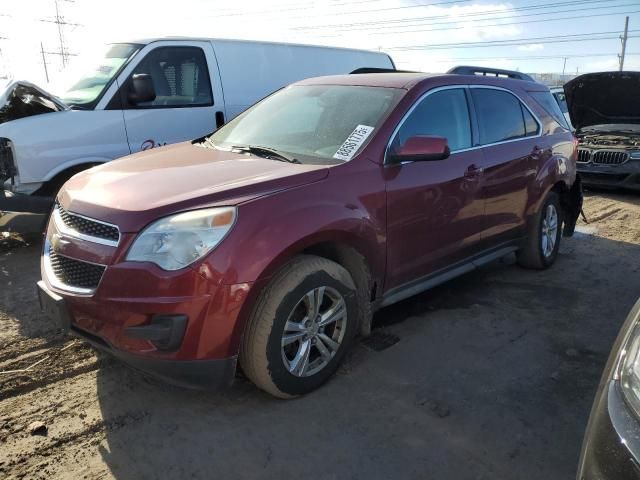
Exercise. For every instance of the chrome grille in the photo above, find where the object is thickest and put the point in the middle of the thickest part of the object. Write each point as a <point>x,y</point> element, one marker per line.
<point>584,155</point>
<point>609,157</point>
<point>75,273</point>
<point>88,227</point>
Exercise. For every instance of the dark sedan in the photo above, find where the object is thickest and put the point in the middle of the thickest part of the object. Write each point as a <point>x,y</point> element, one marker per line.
<point>611,447</point>
<point>605,111</point>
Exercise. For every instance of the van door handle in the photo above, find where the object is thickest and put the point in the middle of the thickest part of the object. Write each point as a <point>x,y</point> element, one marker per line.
<point>219,119</point>
<point>473,171</point>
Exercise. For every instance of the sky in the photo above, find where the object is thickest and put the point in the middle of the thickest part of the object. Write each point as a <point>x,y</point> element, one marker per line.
<point>423,35</point>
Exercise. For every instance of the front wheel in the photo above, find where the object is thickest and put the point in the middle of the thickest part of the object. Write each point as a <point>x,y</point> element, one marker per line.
<point>543,239</point>
<point>301,327</point>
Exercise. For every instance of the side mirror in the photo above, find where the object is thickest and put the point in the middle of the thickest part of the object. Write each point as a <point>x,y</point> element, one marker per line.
<point>421,148</point>
<point>141,89</point>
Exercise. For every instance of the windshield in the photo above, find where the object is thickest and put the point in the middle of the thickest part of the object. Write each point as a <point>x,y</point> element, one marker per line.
<point>312,123</point>
<point>95,74</point>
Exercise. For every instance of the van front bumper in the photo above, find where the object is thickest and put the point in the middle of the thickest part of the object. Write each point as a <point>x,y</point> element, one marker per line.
<point>23,213</point>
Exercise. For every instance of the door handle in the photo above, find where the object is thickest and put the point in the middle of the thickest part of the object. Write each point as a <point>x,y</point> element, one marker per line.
<point>537,152</point>
<point>473,171</point>
<point>219,119</point>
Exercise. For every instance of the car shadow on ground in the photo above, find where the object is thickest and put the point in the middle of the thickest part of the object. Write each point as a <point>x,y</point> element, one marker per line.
<point>19,272</point>
<point>492,376</point>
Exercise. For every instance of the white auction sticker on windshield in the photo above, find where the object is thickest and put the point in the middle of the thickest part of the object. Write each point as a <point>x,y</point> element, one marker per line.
<point>353,142</point>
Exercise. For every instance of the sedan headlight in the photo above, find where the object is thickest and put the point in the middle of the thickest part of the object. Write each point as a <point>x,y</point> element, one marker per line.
<point>177,241</point>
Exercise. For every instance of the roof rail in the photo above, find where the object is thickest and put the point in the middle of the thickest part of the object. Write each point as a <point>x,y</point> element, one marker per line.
<point>492,72</point>
<point>378,70</point>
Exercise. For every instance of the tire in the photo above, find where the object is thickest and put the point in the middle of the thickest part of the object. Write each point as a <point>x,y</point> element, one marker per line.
<point>287,301</point>
<point>541,248</point>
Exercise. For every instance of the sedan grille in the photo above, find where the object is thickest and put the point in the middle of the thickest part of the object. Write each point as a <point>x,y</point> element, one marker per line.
<point>87,226</point>
<point>584,155</point>
<point>75,273</point>
<point>608,157</point>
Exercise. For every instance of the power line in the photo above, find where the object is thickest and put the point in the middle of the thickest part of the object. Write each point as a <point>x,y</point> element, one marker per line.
<point>516,41</point>
<point>461,15</point>
<point>472,22</point>
<point>598,15</point>
<point>532,57</point>
<point>307,7</point>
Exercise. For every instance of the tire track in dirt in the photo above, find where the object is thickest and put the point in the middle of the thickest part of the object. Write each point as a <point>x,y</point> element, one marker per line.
<point>30,464</point>
<point>56,363</point>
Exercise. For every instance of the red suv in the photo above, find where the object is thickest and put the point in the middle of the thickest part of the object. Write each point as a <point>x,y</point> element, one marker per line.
<point>271,241</point>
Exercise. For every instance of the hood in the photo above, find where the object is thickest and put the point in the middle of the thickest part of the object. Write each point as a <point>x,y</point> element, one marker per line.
<point>604,98</point>
<point>19,99</point>
<point>135,190</point>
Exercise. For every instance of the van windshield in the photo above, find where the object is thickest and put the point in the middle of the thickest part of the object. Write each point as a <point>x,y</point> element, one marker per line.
<point>91,77</point>
<point>311,123</point>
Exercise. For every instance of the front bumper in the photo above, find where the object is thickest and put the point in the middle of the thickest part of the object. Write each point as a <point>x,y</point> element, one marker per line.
<point>612,446</point>
<point>624,176</point>
<point>198,374</point>
<point>182,326</point>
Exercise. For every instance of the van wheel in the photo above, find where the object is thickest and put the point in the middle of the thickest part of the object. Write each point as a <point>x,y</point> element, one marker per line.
<point>303,324</point>
<point>543,239</point>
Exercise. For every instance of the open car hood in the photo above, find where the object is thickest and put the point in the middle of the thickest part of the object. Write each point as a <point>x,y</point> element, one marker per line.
<point>604,98</point>
<point>19,99</point>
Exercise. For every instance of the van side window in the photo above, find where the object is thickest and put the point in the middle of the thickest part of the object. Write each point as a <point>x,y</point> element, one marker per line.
<point>180,77</point>
<point>500,115</point>
<point>444,114</point>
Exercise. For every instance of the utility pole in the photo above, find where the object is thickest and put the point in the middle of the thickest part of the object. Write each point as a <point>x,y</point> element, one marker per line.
<point>564,66</point>
<point>623,38</point>
<point>61,24</point>
<point>44,62</point>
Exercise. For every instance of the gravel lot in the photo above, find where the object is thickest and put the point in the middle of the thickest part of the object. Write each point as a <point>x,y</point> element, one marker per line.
<point>492,377</point>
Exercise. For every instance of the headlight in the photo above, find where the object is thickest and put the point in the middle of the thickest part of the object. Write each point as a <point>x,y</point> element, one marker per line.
<point>174,242</point>
<point>629,371</point>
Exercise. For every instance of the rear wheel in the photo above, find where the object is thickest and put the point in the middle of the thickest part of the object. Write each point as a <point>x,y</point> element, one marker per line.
<point>543,239</point>
<point>301,328</point>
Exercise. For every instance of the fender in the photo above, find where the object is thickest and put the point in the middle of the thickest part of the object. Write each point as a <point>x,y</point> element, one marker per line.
<point>557,169</point>
<point>340,233</point>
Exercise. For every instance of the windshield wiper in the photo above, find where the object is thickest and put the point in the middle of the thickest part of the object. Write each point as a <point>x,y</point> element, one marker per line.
<point>265,152</point>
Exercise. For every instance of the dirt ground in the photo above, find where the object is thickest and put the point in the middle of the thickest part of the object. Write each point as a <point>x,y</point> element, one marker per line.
<point>491,376</point>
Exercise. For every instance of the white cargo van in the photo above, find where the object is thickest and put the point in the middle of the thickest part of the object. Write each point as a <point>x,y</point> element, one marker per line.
<point>140,95</point>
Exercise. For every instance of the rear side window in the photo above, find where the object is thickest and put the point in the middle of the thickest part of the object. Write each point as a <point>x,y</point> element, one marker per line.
<point>550,104</point>
<point>501,116</point>
<point>445,114</point>
<point>180,77</point>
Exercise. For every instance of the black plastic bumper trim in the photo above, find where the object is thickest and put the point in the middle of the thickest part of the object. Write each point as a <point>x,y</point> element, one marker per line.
<point>196,374</point>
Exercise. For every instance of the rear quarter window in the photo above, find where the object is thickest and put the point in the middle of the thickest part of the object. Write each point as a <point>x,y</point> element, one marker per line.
<point>550,105</point>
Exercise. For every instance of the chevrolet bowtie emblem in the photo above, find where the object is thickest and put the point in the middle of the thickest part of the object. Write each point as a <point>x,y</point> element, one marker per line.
<point>58,242</point>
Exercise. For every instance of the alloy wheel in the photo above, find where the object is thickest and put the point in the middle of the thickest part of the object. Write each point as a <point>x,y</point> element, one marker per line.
<point>549,230</point>
<point>314,331</point>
